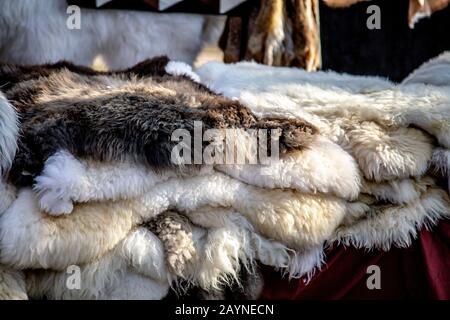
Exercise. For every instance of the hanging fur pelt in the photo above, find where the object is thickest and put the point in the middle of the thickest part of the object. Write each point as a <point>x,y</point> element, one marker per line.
<point>36,31</point>
<point>118,115</point>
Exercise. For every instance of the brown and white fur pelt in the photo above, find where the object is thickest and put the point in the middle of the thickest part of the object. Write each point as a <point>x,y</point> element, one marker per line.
<point>218,259</point>
<point>36,32</point>
<point>65,179</point>
<point>129,114</point>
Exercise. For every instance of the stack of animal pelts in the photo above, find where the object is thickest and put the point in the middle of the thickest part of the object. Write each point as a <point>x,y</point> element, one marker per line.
<point>92,187</point>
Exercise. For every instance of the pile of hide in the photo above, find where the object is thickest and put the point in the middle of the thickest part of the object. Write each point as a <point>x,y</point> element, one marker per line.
<point>91,187</point>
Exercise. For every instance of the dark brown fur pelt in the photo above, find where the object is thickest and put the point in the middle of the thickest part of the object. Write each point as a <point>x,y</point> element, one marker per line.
<point>128,114</point>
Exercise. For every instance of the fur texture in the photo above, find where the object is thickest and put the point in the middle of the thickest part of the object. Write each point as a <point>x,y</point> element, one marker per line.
<point>135,269</point>
<point>12,284</point>
<point>65,179</point>
<point>32,239</point>
<point>435,72</point>
<point>116,116</point>
<point>396,225</point>
<point>8,134</point>
<point>370,178</point>
<point>425,107</point>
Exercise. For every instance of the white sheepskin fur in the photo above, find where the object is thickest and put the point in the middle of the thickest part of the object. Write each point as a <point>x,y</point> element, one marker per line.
<point>65,179</point>
<point>178,68</point>
<point>396,225</point>
<point>36,33</point>
<point>135,269</point>
<point>317,169</point>
<point>385,154</point>
<point>324,98</point>
<point>8,194</point>
<point>12,284</point>
<point>31,239</point>
<point>271,253</point>
<point>8,134</point>
<point>435,72</point>
<point>400,191</point>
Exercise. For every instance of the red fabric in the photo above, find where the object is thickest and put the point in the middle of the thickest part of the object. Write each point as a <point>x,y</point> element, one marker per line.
<point>420,271</point>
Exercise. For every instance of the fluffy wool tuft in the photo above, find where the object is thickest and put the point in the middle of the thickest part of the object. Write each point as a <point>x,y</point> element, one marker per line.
<point>9,130</point>
<point>397,225</point>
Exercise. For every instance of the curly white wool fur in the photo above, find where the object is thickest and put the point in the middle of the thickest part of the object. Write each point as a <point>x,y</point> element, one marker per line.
<point>8,194</point>
<point>268,252</point>
<point>220,250</point>
<point>401,191</point>
<point>317,169</point>
<point>396,225</point>
<point>389,154</point>
<point>9,130</point>
<point>324,98</point>
<point>31,239</point>
<point>135,269</point>
<point>65,179</point>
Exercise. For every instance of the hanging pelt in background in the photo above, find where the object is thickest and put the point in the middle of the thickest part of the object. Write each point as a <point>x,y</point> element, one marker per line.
<point>280,33</point>
<point>128,114</point>
<point>37,32</point>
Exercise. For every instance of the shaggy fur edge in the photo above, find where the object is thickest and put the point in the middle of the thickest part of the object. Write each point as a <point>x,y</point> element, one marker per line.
<point>9,130</point>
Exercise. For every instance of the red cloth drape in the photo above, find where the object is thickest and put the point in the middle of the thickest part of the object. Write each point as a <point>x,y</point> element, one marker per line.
<point>421,271</point>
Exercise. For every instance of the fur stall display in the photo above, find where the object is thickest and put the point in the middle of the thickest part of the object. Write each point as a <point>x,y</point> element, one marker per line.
<point>369,169</point>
